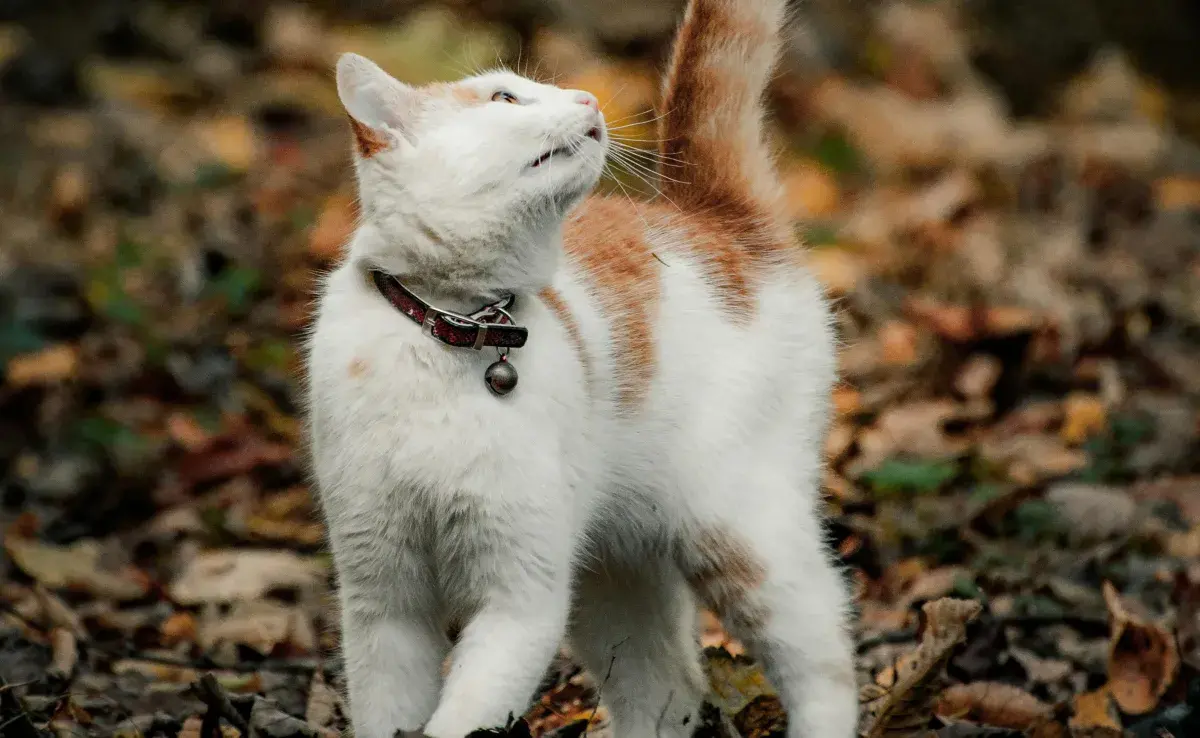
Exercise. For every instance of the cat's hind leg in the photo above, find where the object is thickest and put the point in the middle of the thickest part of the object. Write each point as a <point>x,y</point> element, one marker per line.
<point>767,573</point>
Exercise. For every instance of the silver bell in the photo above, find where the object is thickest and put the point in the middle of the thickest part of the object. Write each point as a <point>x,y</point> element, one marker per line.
<point>501,377</point>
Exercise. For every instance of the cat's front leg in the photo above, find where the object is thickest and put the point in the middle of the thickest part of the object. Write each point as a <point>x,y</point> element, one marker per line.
<point>505,647</point>
<point>393,644</point>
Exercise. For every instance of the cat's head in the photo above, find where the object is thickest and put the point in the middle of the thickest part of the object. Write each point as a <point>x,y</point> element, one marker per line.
<point>495,158</point>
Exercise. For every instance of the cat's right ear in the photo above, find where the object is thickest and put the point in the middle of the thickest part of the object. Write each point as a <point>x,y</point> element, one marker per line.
<point>380,106</point>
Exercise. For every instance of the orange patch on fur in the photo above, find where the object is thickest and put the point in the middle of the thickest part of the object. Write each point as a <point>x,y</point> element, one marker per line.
<point>608,243</point>
<point>559,307</point>
<point>368,140</point>
<point>723,571</point>
<point>357,368</point>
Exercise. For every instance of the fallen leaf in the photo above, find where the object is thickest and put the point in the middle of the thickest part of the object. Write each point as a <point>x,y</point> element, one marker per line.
<point>1143,657</point>
<point>1084,416</point>
<point>978,376</point>
<point>179,628</point>
<point>322,702</point>
<point>993,703</point>
<point>335,224</point>
<point>898,341</point>
<point>230,575</point>
<point>1184,492</point>
<point>1177,193</point>
<point>811,191</point>
<point>261,625</point>
<point>74,566</point>
<point>230,140</point>
<point>1029,458</point>
<point>51,365</point>
<point>1094,710</point>
<point>909,702</point>
<point>916,429</point>
<point>1093,511</point>
<point>65,652</point>
<point>734,681</point>
<point>838,270</point>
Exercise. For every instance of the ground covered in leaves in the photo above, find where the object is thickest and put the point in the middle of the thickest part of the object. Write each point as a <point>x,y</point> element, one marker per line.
<point>1013,474</point>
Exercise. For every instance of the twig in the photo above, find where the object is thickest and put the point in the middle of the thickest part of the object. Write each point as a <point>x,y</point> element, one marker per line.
<point>212,694</point>
<point>290,666</point>
<point>18,726</point>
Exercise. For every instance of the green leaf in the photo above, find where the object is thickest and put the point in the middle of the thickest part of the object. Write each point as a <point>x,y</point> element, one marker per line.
<point>236,286</point>
<point>816,235</point>
<point>214,175</point>
<point>17,338</point>
<point>896,476</point>
<point>1037,520</point>
<point>836,152</point>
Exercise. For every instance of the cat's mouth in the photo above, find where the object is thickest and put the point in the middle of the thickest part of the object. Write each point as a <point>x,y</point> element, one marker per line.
<point>593,134</point>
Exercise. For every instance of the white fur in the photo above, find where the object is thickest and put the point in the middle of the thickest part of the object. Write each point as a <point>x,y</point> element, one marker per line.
<point>516,516</point>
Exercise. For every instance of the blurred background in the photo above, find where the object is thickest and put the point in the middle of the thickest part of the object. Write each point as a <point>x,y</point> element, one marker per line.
<point>1002,195</point>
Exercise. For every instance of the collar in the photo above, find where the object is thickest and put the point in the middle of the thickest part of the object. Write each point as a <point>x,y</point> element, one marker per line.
<point>491,325</point>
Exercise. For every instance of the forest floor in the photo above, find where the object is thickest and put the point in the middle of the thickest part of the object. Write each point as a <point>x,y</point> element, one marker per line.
<point>1013,478</point>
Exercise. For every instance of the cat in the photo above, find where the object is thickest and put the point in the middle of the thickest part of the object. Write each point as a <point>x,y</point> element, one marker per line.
<point>667,368</point>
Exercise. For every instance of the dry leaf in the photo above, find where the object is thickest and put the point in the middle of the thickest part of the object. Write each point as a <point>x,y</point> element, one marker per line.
<point>48,366</point>
<point>991,703</point>
<point>1083,417</point>
<point>1095,710</point>
<point>1032,458</point>
<point>179,628</point>
<point>1093,511</point>
<point>334,226</point>
<point>915,429</point>
<point>978,376</point>
<point>839,271</point>
<point>64,652</point>
<point>74,566</point>
<point>231,140</point>
<point>322,702</point>
<point>230,575</point>
<point>1143,657</point>
<point>898,341</point>
<point>908,704</point>
<point>811,191</point>
<point>1177,193</point>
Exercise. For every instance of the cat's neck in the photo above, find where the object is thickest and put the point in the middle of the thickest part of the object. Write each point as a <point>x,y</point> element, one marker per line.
<point>467,277</point>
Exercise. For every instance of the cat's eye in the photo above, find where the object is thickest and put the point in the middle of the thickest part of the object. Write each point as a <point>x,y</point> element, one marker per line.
<point>506,97</point>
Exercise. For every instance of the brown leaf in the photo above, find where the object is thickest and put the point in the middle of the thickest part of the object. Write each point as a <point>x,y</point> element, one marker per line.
<point>1095,710</point>
<point>334,226</point>
<point>1183,491</point>
<point>74,566</point>
<point>1030,458</point>
<point>991,703</point>
<point>838,270</point>
<point>179,628</point>
<point>227,576</point>
<point>1143,658</point>
<point>230,456</point>
<point>48,366</point>
<point>322,702</point>
<point>914,429</point>
<point>978,376</point>
<point>812,192</point>
<point>908,704</point>
<point>64,652</point>
<point>1084,416</point>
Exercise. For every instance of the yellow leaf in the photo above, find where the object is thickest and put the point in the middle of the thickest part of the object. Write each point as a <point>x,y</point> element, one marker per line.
<point>812,192</point>
<point>1084,416</point>
<point>48,366</point>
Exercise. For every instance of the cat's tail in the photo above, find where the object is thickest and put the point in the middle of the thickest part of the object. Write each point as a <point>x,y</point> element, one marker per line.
<point>711,125</point>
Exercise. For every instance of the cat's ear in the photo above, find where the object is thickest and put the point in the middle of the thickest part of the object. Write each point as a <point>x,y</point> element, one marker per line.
<point>378,104</point>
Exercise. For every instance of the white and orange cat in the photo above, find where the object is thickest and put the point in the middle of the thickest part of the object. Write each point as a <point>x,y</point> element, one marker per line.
<point>662,449</point>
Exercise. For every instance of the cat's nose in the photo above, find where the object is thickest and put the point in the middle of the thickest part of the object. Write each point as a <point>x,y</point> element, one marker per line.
<point>588,99</point>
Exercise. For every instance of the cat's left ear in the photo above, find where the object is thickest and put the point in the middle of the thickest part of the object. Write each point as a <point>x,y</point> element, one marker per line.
<point>378,103</point>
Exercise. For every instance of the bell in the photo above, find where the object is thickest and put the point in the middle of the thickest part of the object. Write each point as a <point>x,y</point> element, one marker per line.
<point>501,377</point>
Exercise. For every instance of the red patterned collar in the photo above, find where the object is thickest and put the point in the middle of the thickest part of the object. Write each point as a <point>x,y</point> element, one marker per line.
<point>491,325</point>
